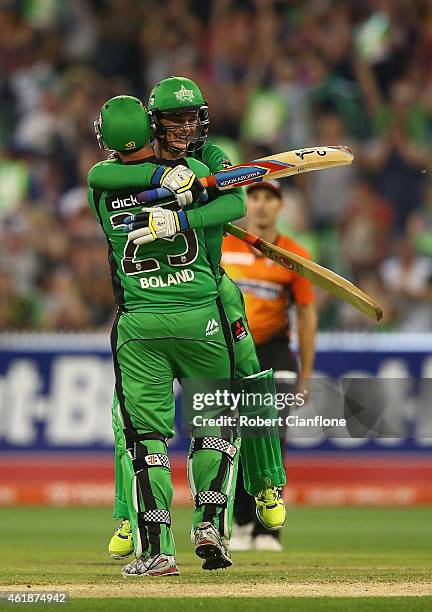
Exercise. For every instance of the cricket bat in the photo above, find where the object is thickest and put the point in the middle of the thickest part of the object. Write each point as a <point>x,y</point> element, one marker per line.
<point>318,275</point>
<point>266,169</point>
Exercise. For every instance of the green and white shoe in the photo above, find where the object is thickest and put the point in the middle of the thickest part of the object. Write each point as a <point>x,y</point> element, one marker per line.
<point>121,544</point>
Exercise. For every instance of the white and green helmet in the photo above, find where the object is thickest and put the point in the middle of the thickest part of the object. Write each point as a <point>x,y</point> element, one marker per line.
<point>174,96</point>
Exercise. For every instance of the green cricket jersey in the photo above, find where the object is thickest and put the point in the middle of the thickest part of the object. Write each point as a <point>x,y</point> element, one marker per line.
<point>227,206</point>
<point>167,275</point>
<point>112,177</point>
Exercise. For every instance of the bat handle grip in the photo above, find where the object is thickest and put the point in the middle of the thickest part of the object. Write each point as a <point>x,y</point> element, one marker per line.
<point>151,195</point>
<point>208,181</point>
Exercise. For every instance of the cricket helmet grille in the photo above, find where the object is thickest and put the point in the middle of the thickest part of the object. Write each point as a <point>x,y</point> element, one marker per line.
<point>172,97</point>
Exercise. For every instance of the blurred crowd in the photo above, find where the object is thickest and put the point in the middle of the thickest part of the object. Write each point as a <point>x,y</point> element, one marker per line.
<point>278,75</point>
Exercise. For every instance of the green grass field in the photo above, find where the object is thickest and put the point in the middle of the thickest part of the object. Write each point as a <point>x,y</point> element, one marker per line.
<point>334,559</point>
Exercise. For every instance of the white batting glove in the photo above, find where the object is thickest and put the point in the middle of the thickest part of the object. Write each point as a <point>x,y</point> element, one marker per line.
<point>154,223</point>
<point>183,199</point>
<point>182,182</point>
<point>178,179</point>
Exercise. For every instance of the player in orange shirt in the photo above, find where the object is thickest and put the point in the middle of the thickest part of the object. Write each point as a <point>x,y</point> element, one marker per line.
<point>269,290</point>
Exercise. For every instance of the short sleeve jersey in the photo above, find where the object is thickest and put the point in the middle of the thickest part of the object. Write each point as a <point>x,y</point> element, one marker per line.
<point>268,288</point>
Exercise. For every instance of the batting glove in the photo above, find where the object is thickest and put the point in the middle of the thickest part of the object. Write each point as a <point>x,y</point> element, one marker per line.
<point>182,182</point>
<point>154,223</point>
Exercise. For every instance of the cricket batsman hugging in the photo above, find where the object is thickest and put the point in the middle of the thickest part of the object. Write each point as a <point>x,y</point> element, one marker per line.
<point>178,318</point>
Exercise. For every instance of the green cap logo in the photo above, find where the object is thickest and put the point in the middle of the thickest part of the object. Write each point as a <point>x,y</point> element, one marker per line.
<point>184,95</point>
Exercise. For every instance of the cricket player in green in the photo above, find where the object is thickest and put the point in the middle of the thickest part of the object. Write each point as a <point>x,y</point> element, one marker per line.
<point>170,324</point>
<point>261,457</point>
<point>180,125</point>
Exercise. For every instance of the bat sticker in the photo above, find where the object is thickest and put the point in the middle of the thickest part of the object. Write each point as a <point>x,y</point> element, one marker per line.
<point>319,152</point>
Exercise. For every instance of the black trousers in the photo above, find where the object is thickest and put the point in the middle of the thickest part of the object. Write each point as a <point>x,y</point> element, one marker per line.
<point>274,354</point>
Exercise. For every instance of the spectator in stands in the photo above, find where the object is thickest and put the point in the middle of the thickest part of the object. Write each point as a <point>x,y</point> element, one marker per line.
<point>290,74</point>
<point>419,225</point>
<point>365,227</point>
<point>62,307</point>
<point>398,151</point>
<point>407,276</point>
<point>18,311</point>
<point>328,191</point>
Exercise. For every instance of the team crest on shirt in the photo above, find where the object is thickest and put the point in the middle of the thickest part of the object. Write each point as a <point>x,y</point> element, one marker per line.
<point>184,95</point>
